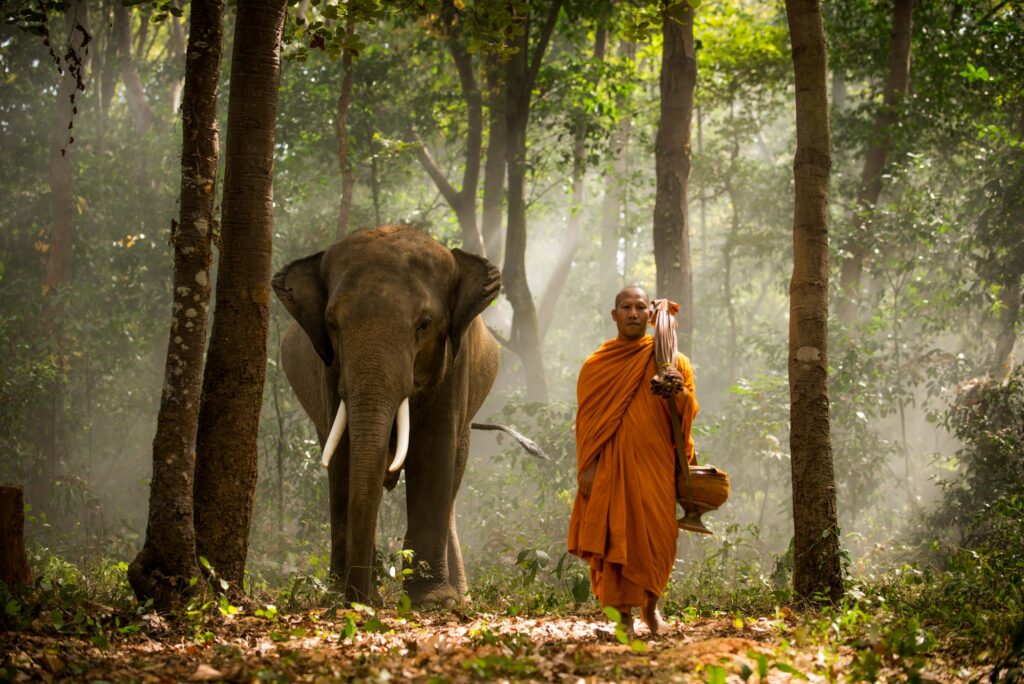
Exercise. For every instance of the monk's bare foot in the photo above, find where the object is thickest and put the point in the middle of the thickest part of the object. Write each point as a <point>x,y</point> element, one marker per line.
<point>652,618</point>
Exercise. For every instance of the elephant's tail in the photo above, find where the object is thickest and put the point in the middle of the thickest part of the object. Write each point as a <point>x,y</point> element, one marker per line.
<point>528,444</point>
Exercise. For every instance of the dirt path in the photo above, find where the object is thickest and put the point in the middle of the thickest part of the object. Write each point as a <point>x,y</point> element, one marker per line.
<point>452,647</point>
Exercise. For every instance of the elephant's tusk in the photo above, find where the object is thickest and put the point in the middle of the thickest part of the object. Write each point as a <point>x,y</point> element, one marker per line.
<point>336,432</point>
<point>402,447</point>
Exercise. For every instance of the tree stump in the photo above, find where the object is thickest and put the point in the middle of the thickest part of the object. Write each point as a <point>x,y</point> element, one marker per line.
<point>13,561</point>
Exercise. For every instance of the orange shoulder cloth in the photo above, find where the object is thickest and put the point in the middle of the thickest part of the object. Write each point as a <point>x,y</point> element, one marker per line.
<point>608,381</point>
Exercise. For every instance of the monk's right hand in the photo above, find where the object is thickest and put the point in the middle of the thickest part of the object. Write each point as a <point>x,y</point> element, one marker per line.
<point>586,479</point>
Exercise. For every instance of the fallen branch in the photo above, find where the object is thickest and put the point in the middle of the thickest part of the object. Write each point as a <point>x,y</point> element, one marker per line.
<point>528,444</point>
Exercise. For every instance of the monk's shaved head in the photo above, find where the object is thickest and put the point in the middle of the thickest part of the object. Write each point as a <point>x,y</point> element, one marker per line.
<point>631,289</point>
<point>630,312</point>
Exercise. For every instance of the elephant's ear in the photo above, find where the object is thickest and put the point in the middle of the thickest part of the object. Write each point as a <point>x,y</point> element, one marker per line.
<point>477,283</point>
<point>300,288</point>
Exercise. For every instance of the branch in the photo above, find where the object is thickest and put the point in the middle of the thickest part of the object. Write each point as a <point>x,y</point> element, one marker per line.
<point>451,195</point>
<point>474,115</point>
<point>542,44</point>
<point>528,444</point>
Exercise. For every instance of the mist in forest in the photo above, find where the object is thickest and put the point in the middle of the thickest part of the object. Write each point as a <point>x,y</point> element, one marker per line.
<point>894,370</point>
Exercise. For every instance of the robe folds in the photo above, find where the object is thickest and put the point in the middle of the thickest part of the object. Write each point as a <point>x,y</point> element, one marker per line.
<point>626,529</point>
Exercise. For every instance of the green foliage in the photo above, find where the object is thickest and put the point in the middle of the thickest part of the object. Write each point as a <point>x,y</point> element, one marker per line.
<point>982,506</point>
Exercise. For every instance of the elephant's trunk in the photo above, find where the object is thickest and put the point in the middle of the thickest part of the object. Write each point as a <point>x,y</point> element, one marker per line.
<point>376,393</point>
<point>369,434</point>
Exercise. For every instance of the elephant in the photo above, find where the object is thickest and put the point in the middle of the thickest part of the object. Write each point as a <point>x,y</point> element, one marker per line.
<point>388,348</point>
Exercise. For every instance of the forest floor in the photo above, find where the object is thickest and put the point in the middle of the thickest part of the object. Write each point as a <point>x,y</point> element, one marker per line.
<point>328,645</point>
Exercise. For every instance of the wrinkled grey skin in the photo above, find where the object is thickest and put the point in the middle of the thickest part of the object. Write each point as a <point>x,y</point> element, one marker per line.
<point>382,315</point>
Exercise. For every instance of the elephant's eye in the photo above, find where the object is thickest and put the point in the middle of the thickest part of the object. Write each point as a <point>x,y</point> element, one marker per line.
<point>423,325</point>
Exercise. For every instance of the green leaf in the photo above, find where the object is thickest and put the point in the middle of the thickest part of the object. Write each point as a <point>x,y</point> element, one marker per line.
<point>350,627</point>
<point>716,674</point>
<point>789,669</point>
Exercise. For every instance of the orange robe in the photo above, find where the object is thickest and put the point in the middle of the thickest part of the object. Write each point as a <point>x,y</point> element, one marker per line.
<point>627,528</point>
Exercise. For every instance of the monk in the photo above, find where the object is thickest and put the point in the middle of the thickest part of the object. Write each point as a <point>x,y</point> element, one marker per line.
<point>624,517</point>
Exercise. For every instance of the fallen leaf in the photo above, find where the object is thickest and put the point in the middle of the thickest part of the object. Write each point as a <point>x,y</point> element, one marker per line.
<point>205,673</point>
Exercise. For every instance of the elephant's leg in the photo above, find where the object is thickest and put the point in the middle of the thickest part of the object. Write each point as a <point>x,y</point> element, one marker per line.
<point>337,474</point>
<point>456,568</point>
<point>428,500</point>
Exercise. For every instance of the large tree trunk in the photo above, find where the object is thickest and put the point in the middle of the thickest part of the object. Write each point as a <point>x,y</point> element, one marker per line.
<point>817,569</point>
<point>520,76</point>
<point>870,186</point>
<point>13,561</point>
<point>226,453</point>
<point>672,168</point>
<point>496,162</point>
<point>162,569</point>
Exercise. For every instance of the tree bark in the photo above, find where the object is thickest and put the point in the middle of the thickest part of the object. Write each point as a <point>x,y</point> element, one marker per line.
<point>672,169</point>
<point>14,568</point>
<point>167,561</point>
<point>520,76</point>
<point>817,570</point>
<point>496,161</point>
<point>870,187</point>
<point>227,450</point>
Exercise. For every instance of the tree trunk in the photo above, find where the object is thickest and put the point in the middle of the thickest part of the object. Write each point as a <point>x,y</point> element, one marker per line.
<point>341,130</point>
<point>226,453</point>
<point>1006,338</point>
<point>162,569</point>
<point>730,243</point>
<point>520,76</point>
<point>134,93</point>
<point>672,168</point>
<point>571,239</point>
<point>496,162</point>
<point>13,561</point>
<point>859,245</point>
<point>817,569</point>
<point>176,49</point>
<point>108,72</point>
<point>58,266</point>
<point>612,207</point>
<point>463,201</point>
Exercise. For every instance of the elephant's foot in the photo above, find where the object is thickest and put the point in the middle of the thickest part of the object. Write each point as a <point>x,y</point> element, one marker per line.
<point>433,597</point>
